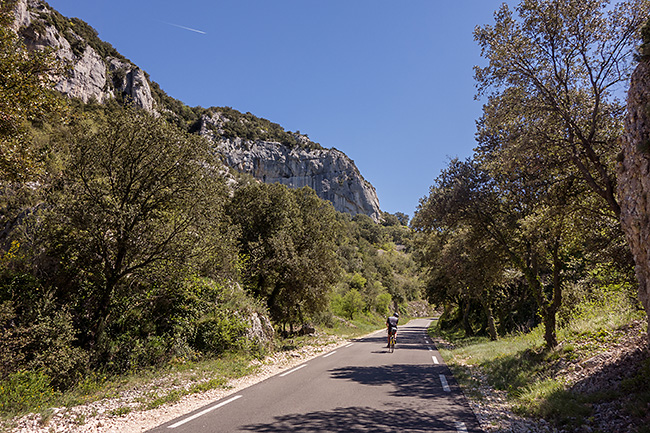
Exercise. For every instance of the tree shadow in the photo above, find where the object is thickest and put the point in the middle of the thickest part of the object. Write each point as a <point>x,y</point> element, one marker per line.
<point>421,381</point>
<point>615,395</point>
<point>363,420</point>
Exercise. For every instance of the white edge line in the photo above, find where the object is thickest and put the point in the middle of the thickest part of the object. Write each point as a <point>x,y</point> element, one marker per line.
<point>329,354</point>
<point>291,371</point>
<point>445,385</point>
<point>435,360</point>
<point>460,427</point>
<point>351,344</point>
<point>203,412</point>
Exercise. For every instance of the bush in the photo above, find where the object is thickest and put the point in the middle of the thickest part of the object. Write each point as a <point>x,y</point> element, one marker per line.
<point>219,332</point>
<point>352,303</point>
<point>25,391</point>
<point>382,302</point>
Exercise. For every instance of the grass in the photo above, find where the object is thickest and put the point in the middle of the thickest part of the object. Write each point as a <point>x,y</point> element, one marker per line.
<point>521,366</point>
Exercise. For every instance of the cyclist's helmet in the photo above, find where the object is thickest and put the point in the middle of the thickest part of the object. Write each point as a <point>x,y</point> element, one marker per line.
<point>396,314</point>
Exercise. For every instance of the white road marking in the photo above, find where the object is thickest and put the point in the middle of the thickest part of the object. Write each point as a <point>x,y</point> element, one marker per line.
<point>445,385</point>
<point>460,427</point>
<point>426,341</point>
<point>430,349</point>
<point>291,371</point>
<point>203,412</point>
<point>329,354</point>
<point>435,360</point>
<point>351,344</point>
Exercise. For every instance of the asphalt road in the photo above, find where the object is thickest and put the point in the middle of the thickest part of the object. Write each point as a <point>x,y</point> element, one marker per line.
<point>360,387</point>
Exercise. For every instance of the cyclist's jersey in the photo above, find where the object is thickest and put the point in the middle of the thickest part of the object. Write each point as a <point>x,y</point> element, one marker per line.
<point>392,322</point>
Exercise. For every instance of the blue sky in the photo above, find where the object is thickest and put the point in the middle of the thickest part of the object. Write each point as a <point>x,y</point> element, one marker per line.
<point>390,83</point>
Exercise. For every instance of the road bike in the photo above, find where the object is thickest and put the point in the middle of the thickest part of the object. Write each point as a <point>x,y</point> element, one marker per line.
<point>392,340</point>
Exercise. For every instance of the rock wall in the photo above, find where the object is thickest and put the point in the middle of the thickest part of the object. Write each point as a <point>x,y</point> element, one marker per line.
<point>329,172</point>
<point>90,76</point>
<point>633,172</point>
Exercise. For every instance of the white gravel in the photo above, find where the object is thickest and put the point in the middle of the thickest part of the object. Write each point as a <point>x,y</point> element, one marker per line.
<point>99,416</point>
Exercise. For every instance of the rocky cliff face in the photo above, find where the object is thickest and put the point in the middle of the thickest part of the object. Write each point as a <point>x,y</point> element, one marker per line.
<point>329,172</point>
<point>91,76</point>
<point>634,177</point>
<point>101,76</point>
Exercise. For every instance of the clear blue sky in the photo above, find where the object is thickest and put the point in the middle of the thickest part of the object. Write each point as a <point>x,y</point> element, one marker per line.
<point>390,83</point>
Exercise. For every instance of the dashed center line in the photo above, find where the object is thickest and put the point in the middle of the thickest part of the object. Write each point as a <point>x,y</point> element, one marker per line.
<point>460,427</point>
<point>203,412</point>
<point>435,360</point>
<point>295,369</point>
<point>445,385</point>
<point>329,354</point>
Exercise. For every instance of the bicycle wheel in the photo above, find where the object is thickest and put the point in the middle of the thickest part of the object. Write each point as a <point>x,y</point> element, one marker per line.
<point>392,344</point>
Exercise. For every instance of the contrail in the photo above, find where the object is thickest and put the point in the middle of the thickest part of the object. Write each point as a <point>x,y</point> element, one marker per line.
<point>185,28</point>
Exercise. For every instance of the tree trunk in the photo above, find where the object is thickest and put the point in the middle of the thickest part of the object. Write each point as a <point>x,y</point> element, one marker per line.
<point>466,325</point>
<point>491,327</point>
<point>549,311</point>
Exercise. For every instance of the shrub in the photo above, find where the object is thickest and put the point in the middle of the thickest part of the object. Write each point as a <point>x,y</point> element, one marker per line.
<point>352,303</point>
<point>219,332</point>
<point>25,391</point>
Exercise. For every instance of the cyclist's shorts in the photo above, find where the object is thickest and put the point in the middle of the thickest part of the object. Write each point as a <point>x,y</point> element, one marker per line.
<point>393,330</point>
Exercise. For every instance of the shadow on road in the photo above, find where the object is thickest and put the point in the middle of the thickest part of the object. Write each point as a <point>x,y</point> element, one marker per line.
<point>422,381</point>
<point>357,420</point>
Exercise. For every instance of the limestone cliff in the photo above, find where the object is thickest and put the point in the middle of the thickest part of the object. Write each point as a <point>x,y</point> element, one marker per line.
<point>634,177</point>
<point>329,172</point>
<point>248,144</point>
<point>92,75</point>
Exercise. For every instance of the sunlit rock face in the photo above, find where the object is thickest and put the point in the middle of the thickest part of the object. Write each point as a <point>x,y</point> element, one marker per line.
<point>89,76</point>
<point>633,172</point>
<point>329,172</point>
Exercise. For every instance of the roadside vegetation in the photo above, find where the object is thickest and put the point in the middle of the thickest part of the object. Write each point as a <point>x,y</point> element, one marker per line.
<point>542,383</point>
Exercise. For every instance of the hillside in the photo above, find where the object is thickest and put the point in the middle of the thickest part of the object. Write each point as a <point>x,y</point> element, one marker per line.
<point>97,72</point>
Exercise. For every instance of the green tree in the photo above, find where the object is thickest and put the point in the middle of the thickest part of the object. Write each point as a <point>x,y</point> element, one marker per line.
<point>352,303</point>
<point>138,198</point>
<point>288,248</point>
<point>563,60</point>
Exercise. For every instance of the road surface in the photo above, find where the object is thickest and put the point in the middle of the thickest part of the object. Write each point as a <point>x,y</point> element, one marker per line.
<point>360,387</point>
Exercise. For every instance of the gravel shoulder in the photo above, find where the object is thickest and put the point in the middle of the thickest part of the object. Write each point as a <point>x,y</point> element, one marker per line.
<point>100,417</point>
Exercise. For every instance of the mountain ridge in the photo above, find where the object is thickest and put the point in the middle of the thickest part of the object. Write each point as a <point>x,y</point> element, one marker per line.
<point>98,72</point>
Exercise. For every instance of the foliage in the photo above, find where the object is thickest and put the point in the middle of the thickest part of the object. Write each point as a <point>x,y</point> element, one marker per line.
<point>235,124</point>
<point>287,248</point>
<point>352,303</point>
<point>25,390</point>
<point>520,365</point>
<point>562,61</point>
<point>138,197</point>
<point>25,95</point>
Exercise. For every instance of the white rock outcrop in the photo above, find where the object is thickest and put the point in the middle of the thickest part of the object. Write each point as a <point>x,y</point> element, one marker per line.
<point>329,172</point>
<point>89,76</point>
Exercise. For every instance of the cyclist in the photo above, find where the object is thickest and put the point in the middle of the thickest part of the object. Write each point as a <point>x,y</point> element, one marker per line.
<point>391,325</point>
